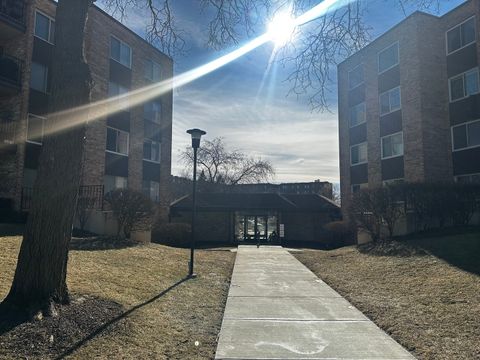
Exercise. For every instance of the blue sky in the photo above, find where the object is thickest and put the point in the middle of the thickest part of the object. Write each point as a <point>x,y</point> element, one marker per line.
<point>259,120</point>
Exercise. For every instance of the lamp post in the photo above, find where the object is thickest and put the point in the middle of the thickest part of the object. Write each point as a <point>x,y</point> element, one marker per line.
<point>196,135</point>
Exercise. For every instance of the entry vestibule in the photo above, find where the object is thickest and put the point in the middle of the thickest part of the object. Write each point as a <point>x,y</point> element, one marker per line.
<point>255,226</point>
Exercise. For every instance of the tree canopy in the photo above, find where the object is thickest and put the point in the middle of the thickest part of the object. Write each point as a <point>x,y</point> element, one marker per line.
<point>218,165</point>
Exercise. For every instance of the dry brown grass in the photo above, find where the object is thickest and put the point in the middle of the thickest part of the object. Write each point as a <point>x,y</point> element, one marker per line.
<point>163,328</point>
<point>429,306</point>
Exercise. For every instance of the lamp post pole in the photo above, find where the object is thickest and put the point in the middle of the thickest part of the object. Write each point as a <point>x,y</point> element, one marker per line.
<point>196,135</point>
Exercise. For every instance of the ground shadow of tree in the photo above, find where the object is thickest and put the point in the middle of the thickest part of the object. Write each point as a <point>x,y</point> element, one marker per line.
<point>113,321</point>
<point>11,229</point>
<point>27,338</point>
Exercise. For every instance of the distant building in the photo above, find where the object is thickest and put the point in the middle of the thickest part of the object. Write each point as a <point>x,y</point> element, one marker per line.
<point>409,104</point>
<point>127,149</point>
<point>181,186</point>
<point>317,187</point>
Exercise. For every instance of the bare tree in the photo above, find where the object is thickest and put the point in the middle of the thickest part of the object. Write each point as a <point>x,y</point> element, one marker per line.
<point>320,46</point>
<point>221,166</point>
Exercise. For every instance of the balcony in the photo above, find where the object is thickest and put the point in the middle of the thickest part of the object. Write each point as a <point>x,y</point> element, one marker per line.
<point>10,75</point>
<point>7,132</point>
<point>12,18</point>
<point>89,197</point>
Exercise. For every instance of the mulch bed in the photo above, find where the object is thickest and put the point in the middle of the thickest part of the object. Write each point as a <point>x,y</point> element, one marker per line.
<point>51,337</point>
<point>93,243</point>
<point>391,248</point>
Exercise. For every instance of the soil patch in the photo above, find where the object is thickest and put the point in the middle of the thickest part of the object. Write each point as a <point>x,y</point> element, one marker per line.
<point>52,336</point>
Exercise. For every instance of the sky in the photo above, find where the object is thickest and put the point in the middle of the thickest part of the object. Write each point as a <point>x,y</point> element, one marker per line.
<point>246,102</point>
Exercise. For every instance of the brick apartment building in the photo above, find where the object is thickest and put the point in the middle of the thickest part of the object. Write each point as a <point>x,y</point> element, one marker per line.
<point>409,104</point>
<point>129,148</point>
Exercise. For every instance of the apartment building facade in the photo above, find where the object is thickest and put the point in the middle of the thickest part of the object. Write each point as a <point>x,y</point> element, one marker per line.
<point>409,104</point>
<point>130,148</point>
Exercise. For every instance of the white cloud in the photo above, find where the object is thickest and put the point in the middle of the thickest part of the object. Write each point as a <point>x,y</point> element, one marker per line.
<point>303,146</point>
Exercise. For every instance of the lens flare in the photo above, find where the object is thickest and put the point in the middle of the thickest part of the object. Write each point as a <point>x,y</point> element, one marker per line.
<point>281,28</point>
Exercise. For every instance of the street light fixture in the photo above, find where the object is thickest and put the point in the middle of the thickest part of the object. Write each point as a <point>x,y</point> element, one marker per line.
<point>196,135</point>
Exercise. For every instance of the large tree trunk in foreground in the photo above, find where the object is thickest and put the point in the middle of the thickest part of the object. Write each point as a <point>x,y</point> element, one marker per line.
<point>40,277</point>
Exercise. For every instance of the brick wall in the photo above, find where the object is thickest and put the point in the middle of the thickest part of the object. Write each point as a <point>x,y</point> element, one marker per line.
<point>424,99</point>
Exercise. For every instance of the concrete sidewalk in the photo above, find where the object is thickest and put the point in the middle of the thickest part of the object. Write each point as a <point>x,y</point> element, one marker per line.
<point>278,309</point>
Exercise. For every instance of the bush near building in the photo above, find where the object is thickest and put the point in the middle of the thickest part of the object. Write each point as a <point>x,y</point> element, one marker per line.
<point>132,209</point>
<point>425,206</point>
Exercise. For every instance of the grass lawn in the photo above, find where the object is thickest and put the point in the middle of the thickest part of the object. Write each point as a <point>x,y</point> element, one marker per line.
<point>429,303</point>
<point>158,315</point>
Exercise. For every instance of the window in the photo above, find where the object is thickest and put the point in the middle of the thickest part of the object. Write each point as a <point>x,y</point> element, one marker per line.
<point>392,145</point>
<point>35,129</point>
<point>121,52</point>
<point>151,151</point>
<point>393,182</point>
<point>468,179</point>
<point>357,114</point>
<point>461,35</point>
<point>153,71</point>
<point>39,77</point>
<point>114,182</point>
<point>44,27</point>
<point>115,89</point>
<point>357,187</point>
<point>355,77</point>
<point>358,154</point>
<point>151,189</point>
<point>466,135</point>
<point>117,141</point>
<point>464,85</point>
<point>152,110</point>
<point>390,101</point>
<point>388,58</point>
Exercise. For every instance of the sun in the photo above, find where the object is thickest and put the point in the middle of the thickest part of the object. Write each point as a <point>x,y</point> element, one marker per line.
<point>281,29</point>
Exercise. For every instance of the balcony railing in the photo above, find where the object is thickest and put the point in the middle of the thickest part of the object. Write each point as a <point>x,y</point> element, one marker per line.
<point>13,10</point>
<point>10,71</point>
<point>7,131</point>
<point>90,196</point>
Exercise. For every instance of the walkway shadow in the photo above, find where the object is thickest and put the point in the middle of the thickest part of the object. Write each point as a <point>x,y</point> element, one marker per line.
<point>105,326</point>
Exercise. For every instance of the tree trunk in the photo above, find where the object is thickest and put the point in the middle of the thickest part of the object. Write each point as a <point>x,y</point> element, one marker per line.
<point>40,276</point>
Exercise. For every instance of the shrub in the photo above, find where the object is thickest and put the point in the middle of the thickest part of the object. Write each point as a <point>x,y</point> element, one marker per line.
<point>83,210</point>
<point>339,233</point>
<point>132,209</point>
<point>433,205</point>
<point>374,208</point>
<point>175,234</point>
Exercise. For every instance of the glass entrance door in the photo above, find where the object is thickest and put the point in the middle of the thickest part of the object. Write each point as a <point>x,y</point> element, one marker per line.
<point>255,228</point>
<point>250,222</point>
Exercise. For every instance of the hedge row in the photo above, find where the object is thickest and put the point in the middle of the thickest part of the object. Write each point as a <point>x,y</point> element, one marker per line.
<point>428,205</point>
